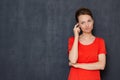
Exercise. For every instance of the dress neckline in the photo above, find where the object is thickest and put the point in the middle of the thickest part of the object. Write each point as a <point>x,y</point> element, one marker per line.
<point>88,44</point>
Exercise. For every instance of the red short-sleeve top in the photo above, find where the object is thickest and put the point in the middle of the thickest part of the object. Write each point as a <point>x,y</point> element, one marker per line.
<point>89,53</point>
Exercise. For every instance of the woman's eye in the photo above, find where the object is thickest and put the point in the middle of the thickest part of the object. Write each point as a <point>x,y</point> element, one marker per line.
<point>89,20</point>
<point>82,22</point>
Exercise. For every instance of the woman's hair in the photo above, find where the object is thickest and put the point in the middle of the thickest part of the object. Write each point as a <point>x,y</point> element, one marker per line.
<point>83,11</point>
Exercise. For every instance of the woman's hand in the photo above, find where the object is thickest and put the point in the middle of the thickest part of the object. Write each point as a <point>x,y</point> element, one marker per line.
<point>76,30</point>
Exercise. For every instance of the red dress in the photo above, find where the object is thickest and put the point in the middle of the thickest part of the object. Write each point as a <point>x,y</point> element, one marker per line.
<point>86,54</point>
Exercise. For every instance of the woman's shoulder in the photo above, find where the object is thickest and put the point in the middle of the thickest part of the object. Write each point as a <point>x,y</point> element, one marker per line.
<point>71,38</point>
<point>100,38</point>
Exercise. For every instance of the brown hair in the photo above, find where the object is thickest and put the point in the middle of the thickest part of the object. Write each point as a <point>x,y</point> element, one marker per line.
<point>83,11</point>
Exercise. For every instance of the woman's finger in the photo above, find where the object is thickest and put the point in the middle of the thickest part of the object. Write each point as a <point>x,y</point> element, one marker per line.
<point>76,25</point>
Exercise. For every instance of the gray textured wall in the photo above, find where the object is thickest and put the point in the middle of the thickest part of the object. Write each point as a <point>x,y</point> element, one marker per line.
<point>34,34</point>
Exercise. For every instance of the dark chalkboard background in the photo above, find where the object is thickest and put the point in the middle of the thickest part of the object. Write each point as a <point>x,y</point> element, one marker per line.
<point>34,35</point>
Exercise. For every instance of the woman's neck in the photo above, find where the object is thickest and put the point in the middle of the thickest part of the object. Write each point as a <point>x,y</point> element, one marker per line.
<point>86,35</point>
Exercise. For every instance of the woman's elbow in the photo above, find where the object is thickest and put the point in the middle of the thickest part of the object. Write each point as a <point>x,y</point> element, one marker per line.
<point>102,67</point>
<point>73,60</point>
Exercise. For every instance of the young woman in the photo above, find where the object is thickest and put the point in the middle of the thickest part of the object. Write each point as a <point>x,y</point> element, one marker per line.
<point>87,53</point>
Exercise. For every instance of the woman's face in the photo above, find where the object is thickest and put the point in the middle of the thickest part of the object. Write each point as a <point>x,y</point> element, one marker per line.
<point>85,23</point>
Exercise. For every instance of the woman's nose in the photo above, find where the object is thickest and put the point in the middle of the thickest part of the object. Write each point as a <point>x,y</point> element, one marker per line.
<point>87,24</point>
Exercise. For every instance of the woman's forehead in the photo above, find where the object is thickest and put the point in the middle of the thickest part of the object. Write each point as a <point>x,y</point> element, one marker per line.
<point>84,17</point>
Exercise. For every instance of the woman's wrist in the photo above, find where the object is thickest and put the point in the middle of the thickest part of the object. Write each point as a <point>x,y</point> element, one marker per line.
<point>76,37</point>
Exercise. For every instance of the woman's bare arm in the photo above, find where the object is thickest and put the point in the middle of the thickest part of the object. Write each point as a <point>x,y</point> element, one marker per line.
<point>73,53</point>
